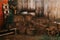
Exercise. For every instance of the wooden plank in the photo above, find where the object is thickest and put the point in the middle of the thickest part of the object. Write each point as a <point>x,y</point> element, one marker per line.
<point>7,32</point>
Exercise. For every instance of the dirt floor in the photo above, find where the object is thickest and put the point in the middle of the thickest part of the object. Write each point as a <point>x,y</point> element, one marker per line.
<point>28,37</point>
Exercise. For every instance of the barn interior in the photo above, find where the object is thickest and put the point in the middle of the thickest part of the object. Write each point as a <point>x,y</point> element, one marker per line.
<point>29,20</point>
